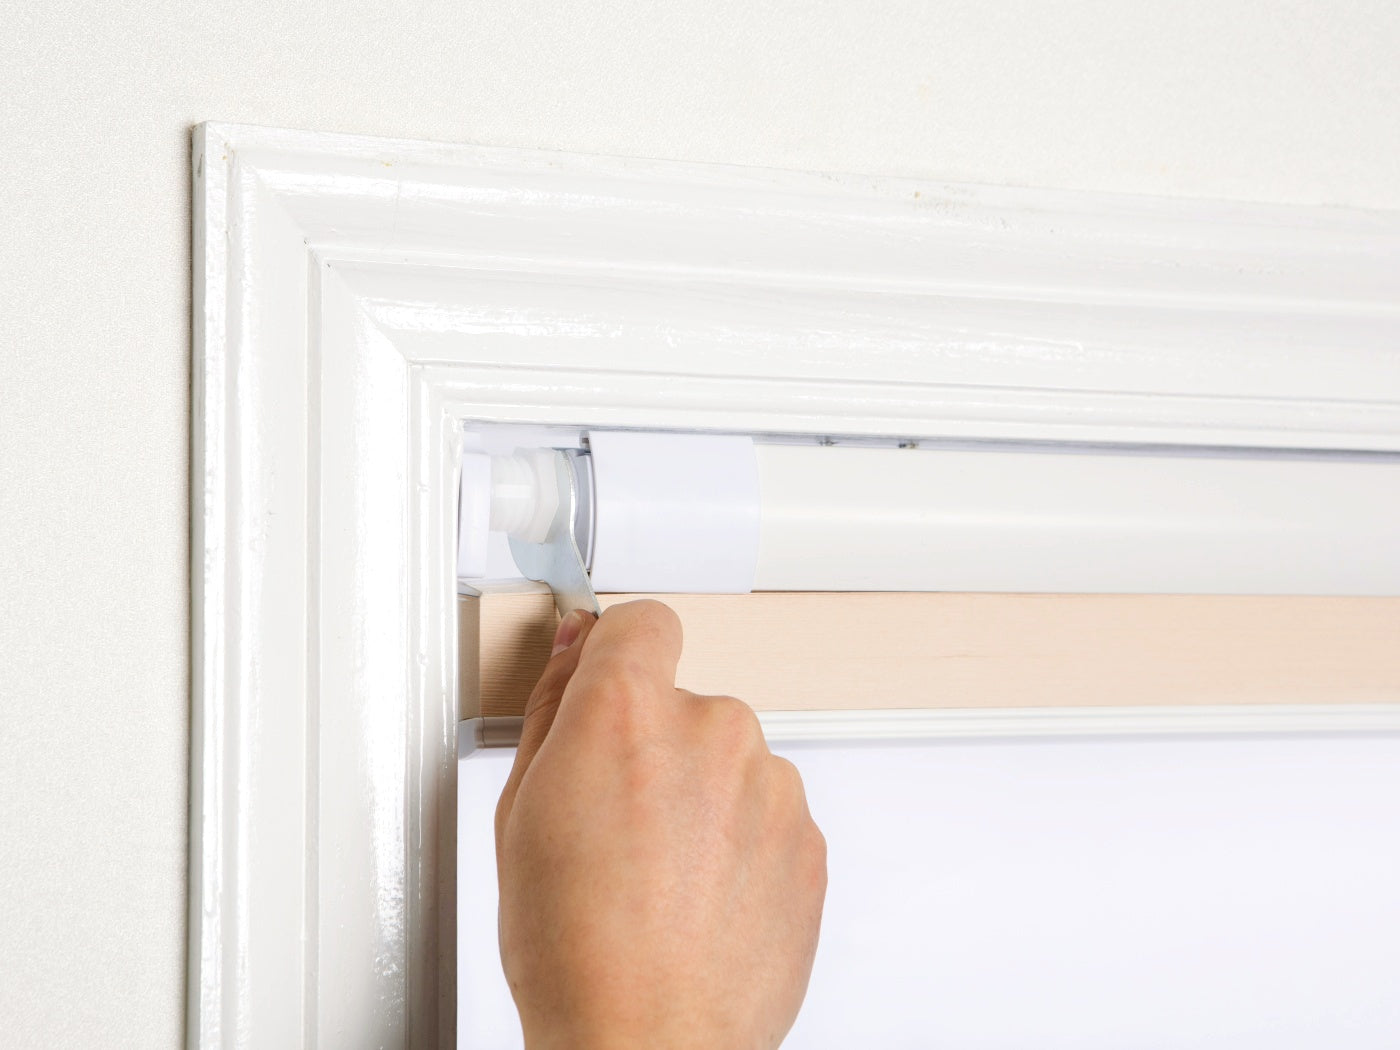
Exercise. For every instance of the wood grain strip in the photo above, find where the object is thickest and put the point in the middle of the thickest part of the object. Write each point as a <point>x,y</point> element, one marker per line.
<point>824,651</point>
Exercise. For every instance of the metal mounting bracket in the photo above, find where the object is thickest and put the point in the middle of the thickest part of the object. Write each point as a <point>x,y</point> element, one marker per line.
<point>558,560</point>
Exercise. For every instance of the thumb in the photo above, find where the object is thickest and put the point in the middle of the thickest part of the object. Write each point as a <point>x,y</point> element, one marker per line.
<point>549,690</point>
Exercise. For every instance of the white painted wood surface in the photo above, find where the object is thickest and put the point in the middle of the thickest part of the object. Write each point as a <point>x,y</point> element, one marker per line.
<point>357,299</point>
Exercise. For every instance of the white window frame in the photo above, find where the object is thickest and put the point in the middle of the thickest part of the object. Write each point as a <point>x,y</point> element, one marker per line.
<point>356,300</point>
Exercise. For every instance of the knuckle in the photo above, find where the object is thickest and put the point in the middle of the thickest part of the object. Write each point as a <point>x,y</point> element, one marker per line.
<point>791,798</point>
<point>627,691</point>
<point>503,807</point>
<point>645,619</point>
<point>652,612</point>
<point>818,846</point>
<point>732,722</point>
<point>620,704</point>
<point>817,853</point>
<point>789,791</point>
<point>787,773</point>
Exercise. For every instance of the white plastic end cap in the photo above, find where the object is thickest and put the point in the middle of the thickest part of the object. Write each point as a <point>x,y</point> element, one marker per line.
<point>525,493</point>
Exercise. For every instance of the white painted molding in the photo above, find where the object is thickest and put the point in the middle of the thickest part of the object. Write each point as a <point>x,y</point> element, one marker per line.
<point>357,299</point>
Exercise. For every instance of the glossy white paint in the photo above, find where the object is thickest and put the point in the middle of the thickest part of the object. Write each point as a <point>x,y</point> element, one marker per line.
<point>357,299</point>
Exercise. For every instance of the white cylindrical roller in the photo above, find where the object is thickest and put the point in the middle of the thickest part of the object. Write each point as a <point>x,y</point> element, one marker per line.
<point>854,518</point>
<point>686,512</point>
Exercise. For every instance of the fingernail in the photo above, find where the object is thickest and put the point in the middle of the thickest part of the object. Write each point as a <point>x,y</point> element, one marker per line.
<point>568,631</point>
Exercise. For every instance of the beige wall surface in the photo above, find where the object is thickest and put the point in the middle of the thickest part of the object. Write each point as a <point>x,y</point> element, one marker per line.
<point>1293,103</point>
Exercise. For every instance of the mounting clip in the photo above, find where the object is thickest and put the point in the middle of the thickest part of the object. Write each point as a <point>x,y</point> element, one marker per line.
<point>557,559</point>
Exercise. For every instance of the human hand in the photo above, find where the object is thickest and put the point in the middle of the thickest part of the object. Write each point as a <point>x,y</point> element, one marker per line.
<point>661,879</point>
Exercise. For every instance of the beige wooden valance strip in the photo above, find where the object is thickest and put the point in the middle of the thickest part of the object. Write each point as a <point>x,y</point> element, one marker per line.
<point>826,651</point>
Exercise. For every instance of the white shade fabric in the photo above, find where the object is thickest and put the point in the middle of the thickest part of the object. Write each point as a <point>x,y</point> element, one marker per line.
<point>1083,894</point>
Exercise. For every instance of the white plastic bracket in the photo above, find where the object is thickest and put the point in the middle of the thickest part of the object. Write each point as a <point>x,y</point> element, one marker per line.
<point>556,558</point>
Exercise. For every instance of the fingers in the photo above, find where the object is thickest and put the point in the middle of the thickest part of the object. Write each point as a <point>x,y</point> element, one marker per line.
<point>628,661</point>
<point>540,709</point>
<point>637,643</point>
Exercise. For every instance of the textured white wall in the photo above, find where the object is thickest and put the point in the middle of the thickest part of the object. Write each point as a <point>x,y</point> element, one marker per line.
<point>96,98</point>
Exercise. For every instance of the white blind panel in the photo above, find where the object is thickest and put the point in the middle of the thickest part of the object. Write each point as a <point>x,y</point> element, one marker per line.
<point>1077,894</point>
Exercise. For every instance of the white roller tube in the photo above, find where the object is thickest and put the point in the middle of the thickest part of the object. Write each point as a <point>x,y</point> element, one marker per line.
<point>686,512</point>
<point>1056,521</point>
